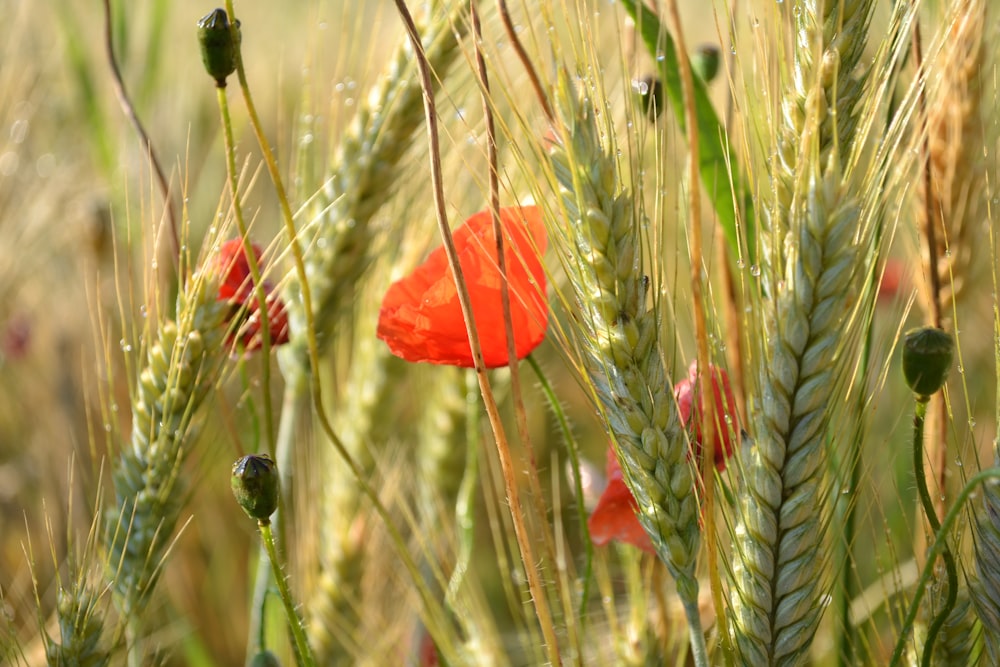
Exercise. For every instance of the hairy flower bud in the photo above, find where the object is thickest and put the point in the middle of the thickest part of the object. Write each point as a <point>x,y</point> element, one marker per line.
<point>927,357</point>
<point>218,50</point>
<point>255,485</point>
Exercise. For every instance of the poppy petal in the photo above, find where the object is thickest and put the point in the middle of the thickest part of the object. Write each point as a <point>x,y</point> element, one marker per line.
<point>421,318</point>
<point>615,518</point>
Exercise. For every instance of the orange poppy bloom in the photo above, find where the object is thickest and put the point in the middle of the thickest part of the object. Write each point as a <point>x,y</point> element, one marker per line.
<point>237,289</point>
<point>421,319</point>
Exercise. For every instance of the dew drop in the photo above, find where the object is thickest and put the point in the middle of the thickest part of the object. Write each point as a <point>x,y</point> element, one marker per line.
<point>755,271</point>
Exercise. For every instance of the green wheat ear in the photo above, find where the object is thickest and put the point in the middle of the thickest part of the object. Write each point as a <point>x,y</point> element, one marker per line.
<point>599,245</point>
<point>815,232</point>
<point>181,366</point>
<point>366,166</point>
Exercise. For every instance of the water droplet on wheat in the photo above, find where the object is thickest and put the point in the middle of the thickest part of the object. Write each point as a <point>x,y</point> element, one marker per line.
<point>755,271</point>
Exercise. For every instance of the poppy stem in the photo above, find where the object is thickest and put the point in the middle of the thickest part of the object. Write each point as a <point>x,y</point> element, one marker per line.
<point>939,547</point>
<point>573,449</point>
<point>303,654</point>
<point>919,415</point>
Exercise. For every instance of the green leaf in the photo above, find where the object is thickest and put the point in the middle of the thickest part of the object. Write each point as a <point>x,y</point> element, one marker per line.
<point>717,164</point>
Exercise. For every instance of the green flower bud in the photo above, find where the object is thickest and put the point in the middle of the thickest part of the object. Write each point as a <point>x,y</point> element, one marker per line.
<point>705,62</point>
<point>255,485</point>
<point>927,357</point>
<point>649,96</point>
<point>218,51</point>
<point>264,659</point>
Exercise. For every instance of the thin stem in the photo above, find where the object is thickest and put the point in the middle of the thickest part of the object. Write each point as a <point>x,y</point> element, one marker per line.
<point>303,654</point>
<point>517,394</point>
<point>251,257</point>
<point>465,502</point>
<point>515,42</point>
<point>940,545</point>
<point>535,583</point>
<point>129,110</point>
<point>707,463</point>
<point>932,519</point>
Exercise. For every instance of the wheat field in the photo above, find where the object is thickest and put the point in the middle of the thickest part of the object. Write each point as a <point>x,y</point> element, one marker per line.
<point>591,332</point>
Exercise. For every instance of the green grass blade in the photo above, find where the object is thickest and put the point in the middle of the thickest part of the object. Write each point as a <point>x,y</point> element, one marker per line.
<point>717,164</point>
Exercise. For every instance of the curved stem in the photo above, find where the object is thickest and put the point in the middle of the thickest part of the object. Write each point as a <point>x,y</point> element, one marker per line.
<point>929,510</point>
<point>939,546</point>
<point>303,654</point>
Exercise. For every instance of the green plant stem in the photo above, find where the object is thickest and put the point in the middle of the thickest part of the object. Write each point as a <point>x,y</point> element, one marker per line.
<point>939,546</point>
<point>465,504</point>
<point>303,655</point>
<point>699,650</point>
<point>241,226</point>
<point>928,504</point>
<point>574,456</point>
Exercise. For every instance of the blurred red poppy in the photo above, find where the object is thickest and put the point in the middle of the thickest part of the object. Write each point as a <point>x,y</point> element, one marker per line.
<point>237,289</point>
<point>615,518</point>
<point>421,319</point>
<point>725,406</point>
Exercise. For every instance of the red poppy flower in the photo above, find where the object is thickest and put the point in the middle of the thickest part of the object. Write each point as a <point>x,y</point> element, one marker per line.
<point>615,518</point>
<point>725,405</point>
<point>237,289</point>
<point>421,319</point>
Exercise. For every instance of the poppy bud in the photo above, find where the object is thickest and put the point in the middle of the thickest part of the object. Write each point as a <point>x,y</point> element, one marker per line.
<point>705,62</point>
<point>218,50</point>
<point>927,357</point>
<point>255,485</point>
<point>264,659</point>
<point>649,95</point>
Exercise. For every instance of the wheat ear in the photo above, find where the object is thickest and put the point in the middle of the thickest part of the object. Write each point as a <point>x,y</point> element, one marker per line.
<point>813,231</point>
<point>366,166</point>
<point>950,194</point>
<point>619,338</point>
<point>985,590</point>
<point>181,365</point>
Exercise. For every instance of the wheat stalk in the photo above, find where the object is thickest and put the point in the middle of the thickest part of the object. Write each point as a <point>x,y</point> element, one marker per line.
<point>813,231</point>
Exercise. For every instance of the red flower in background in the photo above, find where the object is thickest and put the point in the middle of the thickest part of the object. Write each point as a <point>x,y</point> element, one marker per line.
<point>725,405</point>
<point>614,517</point>
<point>421,319</point>
<point>237,289</point>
